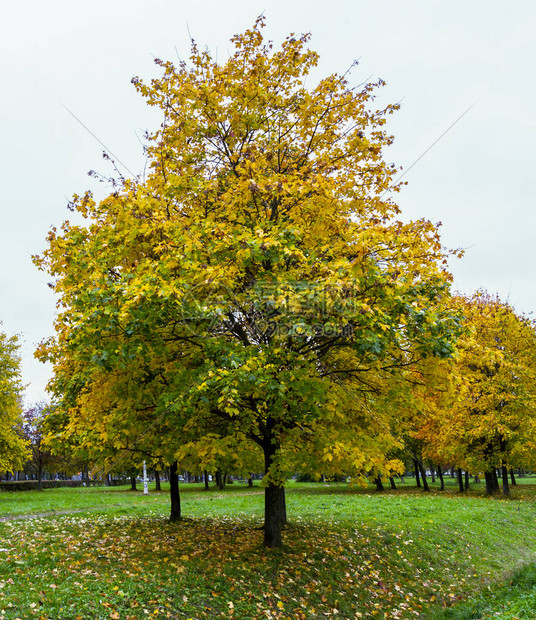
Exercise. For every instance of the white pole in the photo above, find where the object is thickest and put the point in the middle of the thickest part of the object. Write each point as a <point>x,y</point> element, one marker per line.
<point>145,481</point>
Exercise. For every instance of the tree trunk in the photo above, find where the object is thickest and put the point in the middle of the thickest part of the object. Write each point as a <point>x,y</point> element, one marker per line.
<point>40,478</point>
<point>460,480</point>
<point>512,477</point>
<point>440,476</point>
<point>274,494</point>
<point>158,485</point>
<point>220,480</point>
<point>174,495</point>
<point>274,515</point>
<point>495,480</point>
<point>132,483</point>
<point>379,484</point>
<point>432,471</point>
<point>466,480</point>
<point>492,485</point>
<point>392,482</point>
<point>250,482</point>
<point>417,476</point>
<point>423,476</point>
<point>505,485</point>
<point>205,478</point>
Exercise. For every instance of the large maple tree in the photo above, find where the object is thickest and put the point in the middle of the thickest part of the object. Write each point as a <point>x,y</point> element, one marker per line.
<point>258,272</point>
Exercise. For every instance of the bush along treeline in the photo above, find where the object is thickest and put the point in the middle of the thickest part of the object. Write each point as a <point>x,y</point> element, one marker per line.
<point>254,303</point>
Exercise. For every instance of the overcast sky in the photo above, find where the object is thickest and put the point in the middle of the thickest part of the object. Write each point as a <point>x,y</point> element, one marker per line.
<point>438,59</point>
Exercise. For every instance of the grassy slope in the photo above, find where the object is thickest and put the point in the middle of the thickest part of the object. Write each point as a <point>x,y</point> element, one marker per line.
<point>348,552</point>
<point>516,598</point>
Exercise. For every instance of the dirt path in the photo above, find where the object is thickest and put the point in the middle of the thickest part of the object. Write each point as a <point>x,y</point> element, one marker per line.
<point>40,515</point>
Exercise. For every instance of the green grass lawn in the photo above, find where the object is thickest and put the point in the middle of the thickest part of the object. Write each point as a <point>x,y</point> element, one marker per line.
<point>349,553</point>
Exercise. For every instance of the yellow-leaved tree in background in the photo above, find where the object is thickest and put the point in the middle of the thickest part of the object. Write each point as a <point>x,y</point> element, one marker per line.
<point>13,446</point>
